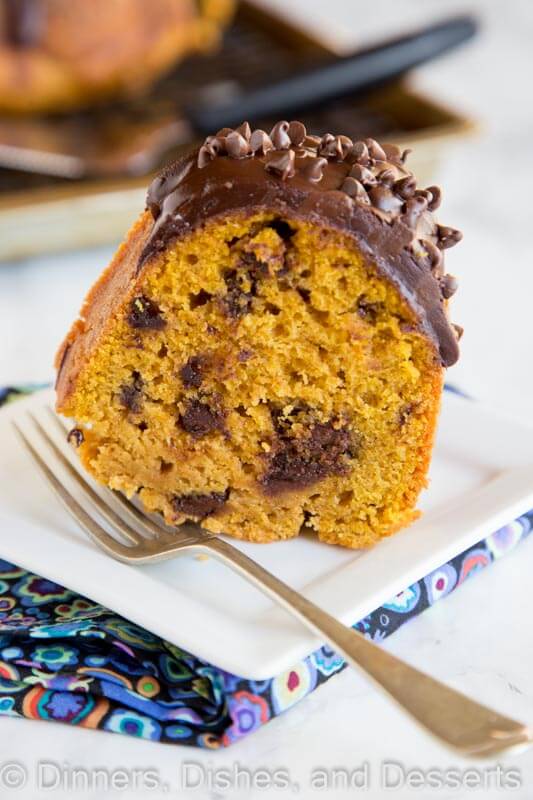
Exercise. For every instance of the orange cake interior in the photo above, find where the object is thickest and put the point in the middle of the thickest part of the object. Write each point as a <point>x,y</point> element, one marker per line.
<point>258,374</point>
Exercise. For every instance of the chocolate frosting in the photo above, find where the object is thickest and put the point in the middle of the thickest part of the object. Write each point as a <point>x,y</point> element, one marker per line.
<point>362,189</point>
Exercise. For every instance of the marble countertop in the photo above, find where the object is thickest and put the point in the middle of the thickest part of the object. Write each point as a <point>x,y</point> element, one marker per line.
<point>479,639</point>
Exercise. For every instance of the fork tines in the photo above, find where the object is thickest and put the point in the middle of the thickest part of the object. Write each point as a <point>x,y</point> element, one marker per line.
<point>147,541</point>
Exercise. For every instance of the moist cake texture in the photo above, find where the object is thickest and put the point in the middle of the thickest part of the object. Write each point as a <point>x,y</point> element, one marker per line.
<point>266,350</point>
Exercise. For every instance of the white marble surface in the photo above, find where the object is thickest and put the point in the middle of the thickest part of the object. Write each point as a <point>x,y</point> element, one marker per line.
<point>480,639</point>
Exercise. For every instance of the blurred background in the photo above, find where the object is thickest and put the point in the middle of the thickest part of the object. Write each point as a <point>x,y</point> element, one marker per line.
<point>96,94</point>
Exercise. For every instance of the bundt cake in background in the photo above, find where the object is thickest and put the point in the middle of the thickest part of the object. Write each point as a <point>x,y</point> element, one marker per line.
<point>58,55</point>
<point>266,350</point>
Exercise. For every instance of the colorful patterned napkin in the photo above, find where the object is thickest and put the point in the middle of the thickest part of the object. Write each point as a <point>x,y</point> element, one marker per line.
<point>66,659</point>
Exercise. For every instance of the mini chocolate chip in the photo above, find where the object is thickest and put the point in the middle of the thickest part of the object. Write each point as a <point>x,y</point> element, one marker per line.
<point>448,286</point>
<point>199,418</point>
<point>436,197</point>
<point>282,165</point>
<point>191,372</point>
<point>298,461</point>
<point>359,153</point>
<point>425,194</point>
<point>336,147</point>
<point>353,188</point>
<point>344,146</point>
<point>406,187</point>
<point>145,314</point>
<point>215,145</point>
<point>305,294</point>
<point>131,394</point>
<point>238,300</point>
<point>204,157</point>
<point>244,355</point>
<point>311,142</point>
<point>260,142</point>
<point>297,132</point>
<point>414,207</point>
<point>211,148</point>
<point>236,145</point>
<point>314,169</point>
<point>280,135</point>
<point>199,506</point>
<point>367,310</point>
<point>75,437</point>
<point>448,237</point>
<point>282,228</point>
<point>325,141</point>
<point>383,198</point>
<point>458,330</point>
<point>199,299</point>
<point>393,153</point>
<point>362,174</point>
<point>244,130</point>
<point>387,176</point>
<point>404,413</point>
<point>375,150</point>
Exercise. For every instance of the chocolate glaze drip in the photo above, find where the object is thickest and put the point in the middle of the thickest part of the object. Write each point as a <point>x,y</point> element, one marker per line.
<point>362,189</point>
<point>23,20</point>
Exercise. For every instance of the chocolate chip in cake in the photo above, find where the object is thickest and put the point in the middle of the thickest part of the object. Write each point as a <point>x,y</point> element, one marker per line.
<point>405,413</point>
<point>199,506</point>
<point>191,372</point>
<point>241,284</point>
<point>131,394</point>
<point>305,294</point>
<point>75,437</point>
<point>367,310</point>
<point>237,301</point>
<point>144,313</point>
<point>199,299</point>
<point>296,461</point>
<point>200,418</point>
<point>244,355</point>
<point>282,228</point>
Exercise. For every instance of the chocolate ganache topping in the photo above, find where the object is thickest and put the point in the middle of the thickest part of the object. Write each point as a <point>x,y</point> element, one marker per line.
<point>362,189</point>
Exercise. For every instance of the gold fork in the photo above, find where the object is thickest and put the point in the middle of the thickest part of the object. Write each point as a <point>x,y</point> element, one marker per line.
<point>459,722</point>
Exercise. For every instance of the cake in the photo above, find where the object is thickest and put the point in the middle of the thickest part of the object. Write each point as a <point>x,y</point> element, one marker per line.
<point>58,55</point>
<point>266,351</point>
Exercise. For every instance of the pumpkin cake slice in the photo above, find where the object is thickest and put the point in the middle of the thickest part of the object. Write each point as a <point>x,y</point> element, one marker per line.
<point>267,348</point>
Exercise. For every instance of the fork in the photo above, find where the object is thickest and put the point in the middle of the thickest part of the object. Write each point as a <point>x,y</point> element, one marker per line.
<point>459,722</point>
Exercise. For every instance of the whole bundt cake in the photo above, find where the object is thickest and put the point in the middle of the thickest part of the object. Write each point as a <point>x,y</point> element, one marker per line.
<point>58,55</point>
<point>266,349</point>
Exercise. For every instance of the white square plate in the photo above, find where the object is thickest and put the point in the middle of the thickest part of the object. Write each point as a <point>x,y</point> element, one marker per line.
<point>481,478</point>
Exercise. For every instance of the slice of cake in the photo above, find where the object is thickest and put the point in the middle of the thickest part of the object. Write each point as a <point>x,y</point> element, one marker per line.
<point>266,349</point>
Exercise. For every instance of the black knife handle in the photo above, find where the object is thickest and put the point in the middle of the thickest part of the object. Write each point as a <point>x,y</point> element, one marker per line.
<point>344,76</point>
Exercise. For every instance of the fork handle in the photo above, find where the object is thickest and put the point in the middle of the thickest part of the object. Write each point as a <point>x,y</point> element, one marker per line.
<point>461,723</point>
